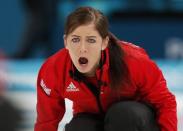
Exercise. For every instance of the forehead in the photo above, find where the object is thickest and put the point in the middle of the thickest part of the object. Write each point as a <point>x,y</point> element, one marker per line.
<point>85,30</point>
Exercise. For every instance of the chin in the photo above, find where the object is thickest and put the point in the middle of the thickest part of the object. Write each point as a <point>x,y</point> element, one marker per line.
<point>84,71</point>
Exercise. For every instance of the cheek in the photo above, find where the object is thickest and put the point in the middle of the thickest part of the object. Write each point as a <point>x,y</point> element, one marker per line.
<point>73,54</point>
<point>95,56</point>
<point>72,50</point>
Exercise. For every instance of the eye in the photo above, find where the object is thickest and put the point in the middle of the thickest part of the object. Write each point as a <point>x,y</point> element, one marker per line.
<point>75,40</point>
<point>91,40</point>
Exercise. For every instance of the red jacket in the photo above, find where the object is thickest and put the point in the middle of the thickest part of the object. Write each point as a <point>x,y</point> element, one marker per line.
<point>56,83</point>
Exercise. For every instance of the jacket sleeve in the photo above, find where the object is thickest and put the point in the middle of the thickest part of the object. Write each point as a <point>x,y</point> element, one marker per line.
<point>153,89</point>
<point>50,104</point>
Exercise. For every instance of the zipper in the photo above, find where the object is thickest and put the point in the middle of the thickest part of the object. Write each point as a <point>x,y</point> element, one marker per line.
<point>94,89</point>
<point>96,92</point>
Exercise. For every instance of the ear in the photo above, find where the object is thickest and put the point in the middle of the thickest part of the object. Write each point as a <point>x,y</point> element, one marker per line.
<point>105,43</point>
<point>65,41</point>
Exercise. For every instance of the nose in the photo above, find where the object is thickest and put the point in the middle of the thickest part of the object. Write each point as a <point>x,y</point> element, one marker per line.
<point>83,48</point>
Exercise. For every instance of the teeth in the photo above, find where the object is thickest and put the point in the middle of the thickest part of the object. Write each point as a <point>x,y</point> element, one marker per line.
<point>83,60</point>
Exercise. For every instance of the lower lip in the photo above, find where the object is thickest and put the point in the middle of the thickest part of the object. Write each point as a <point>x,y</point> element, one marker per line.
<point>83,65</point>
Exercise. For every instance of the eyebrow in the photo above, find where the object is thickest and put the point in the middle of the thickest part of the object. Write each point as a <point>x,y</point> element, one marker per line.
<point>86,36</point>
<point>75,36</point>
<point>92,36</point>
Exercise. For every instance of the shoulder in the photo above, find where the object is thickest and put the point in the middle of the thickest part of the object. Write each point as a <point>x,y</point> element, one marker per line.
<point>132,50</point>
<point>57,59</point>
<point>138,61</point>
<point>135,55</point>
<point>52,70</point>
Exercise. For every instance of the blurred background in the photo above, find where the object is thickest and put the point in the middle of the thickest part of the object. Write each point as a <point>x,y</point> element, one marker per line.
<point>32,30</point>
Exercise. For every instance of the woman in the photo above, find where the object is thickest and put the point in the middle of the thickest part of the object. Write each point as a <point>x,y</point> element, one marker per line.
<point>113,84</point>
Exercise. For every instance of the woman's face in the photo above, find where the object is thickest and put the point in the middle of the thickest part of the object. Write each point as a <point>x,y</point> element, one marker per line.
<point>84,45</point>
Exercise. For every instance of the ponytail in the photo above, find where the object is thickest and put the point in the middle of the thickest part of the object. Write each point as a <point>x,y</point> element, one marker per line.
<point>118,72</point>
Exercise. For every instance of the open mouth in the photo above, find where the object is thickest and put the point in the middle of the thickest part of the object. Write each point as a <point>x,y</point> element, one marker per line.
<point>83,60</point>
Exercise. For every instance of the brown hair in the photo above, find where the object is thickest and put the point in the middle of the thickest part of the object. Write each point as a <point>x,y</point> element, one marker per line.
<point>118,72</point>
